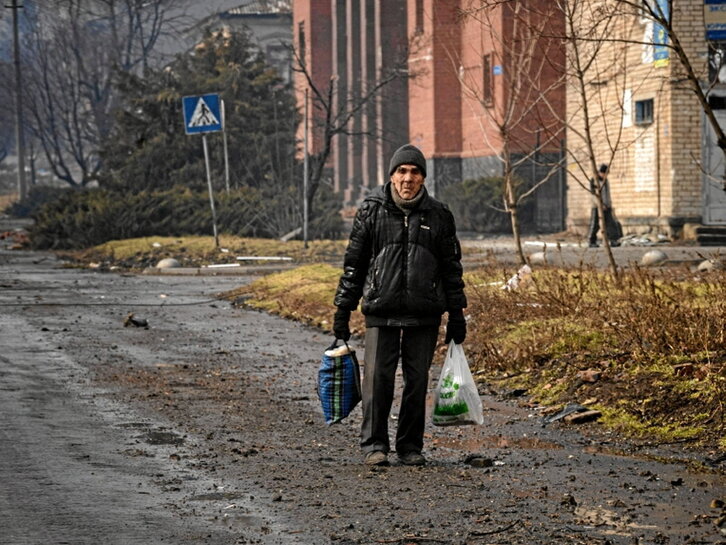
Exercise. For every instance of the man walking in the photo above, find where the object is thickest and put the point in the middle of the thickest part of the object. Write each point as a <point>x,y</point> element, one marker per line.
<point>611,227</point>
<point>404,260</point>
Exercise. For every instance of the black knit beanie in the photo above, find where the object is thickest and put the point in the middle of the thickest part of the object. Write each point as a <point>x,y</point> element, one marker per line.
<point>407,155</point>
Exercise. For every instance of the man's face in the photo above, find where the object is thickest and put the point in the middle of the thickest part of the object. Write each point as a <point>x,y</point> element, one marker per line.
<point>407,179</point>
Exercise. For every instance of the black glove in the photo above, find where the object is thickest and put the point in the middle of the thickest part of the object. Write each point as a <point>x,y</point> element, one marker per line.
<point>456,327</point>
<point>340,324</point>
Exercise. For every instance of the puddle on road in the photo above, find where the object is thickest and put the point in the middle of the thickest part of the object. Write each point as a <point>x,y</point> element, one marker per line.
<point>134,425</point>
<point>162,438</point>
<point>473,444</point>
<point>215,496</point>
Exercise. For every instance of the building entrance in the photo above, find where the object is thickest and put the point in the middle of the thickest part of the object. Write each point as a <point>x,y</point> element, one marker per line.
<point>714,195</point>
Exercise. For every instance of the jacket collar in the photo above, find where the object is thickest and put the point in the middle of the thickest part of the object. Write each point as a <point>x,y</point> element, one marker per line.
<point>382,194</point>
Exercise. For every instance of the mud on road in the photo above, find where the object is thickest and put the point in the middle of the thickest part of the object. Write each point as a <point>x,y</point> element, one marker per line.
<point>205,428</point>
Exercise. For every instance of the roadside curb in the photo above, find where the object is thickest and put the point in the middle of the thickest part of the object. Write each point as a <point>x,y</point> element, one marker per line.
<point>219,271</point>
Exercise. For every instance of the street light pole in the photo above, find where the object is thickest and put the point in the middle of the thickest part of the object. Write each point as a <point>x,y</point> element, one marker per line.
<point>19,132</point>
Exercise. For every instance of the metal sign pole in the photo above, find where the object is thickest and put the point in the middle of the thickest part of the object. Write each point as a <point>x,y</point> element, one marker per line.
<point>211,194</point>
<point>305,175</point>
<point>224,141</point>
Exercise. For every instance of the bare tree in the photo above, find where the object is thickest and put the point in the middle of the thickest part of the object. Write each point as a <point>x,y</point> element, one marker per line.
<point>661,12</point>
<point>70,58</point>
<point>597,80</point>
<point>528,115</point>
<point>335,111</point>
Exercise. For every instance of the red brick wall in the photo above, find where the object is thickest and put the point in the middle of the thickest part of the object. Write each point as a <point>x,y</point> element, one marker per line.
<point>448,113</point>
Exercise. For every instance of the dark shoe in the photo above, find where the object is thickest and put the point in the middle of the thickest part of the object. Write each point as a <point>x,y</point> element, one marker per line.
<point>614,244</point>
<point>376,458</point>
<point>594,245</point>
<point>412,459</point>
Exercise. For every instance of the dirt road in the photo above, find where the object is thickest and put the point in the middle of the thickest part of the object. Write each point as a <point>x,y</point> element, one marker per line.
<point>205,428</point>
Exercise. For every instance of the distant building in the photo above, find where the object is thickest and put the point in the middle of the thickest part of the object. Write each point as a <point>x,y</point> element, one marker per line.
<point>459,68</point>
<point>269,22</point>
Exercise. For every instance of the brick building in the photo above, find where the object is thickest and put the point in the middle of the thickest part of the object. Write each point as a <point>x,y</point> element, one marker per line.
<point>649,125</point>
<point>465,77</point>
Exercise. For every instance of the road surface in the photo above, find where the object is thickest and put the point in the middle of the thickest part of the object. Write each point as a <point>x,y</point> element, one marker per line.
<point>205,428</point>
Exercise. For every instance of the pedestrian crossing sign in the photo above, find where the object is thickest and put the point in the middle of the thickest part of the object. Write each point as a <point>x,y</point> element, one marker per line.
<point>202,114</point>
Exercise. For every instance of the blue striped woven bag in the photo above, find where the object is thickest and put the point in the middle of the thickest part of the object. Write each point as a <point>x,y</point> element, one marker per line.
<point>338,384</point>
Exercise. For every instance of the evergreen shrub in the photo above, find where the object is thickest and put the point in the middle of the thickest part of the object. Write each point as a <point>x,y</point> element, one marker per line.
<point>477,205</point>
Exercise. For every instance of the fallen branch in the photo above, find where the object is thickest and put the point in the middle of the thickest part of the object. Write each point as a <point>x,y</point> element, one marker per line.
<point>491,532</point>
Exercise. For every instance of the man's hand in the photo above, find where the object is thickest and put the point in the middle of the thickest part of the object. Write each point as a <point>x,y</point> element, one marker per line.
<point>340,324</point>
<point>456,327</point>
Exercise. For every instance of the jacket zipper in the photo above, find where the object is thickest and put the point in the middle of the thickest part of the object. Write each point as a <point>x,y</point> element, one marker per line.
<point>405,253</point>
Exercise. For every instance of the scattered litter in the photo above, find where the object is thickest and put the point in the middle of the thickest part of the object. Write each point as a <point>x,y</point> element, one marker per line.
<point>568,410</point>
<point>156,244</point>
<point>582,417</point>
<point>221,265</point>
<point>710,265</point>
<point>635,240</point>
<point>262,258</point>
<point>224,250</point>
<point>132,320</point>
<point>18,237</point>
<point>591,376</point>
<point>519,279</point>
<point>477,460</point>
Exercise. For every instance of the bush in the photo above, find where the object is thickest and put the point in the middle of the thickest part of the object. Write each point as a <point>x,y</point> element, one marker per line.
<point>37,196</point>
<point>477,205</point>
<point>80,219</point>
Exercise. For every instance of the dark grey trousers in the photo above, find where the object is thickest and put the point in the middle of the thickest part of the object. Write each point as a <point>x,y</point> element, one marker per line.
<point>383,348</point>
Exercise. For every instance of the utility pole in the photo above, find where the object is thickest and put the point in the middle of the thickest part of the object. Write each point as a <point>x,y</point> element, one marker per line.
<point>19,132</point>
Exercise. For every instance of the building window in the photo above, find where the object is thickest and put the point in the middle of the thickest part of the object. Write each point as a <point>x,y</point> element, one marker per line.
<point>419,16</point>
<point>644,111</point>
<point>487,91</point>
<point>301,42</point>
<point>717,102</point>
<point>717,62</point>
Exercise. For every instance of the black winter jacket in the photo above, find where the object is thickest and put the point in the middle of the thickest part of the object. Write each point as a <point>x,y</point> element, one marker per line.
<point>407,269</point>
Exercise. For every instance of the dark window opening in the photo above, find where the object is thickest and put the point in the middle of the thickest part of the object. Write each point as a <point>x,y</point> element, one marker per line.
<point>487,91</point>
<point>716,102</point>
<point>419,16</point>
<point>644,111</point>
<point>301,42</point>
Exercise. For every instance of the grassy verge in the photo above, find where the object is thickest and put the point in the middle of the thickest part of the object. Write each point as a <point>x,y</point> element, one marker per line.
<point>650,355</point>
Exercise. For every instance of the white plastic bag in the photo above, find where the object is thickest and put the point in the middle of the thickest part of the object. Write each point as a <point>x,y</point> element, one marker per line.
<point>457,398</point>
